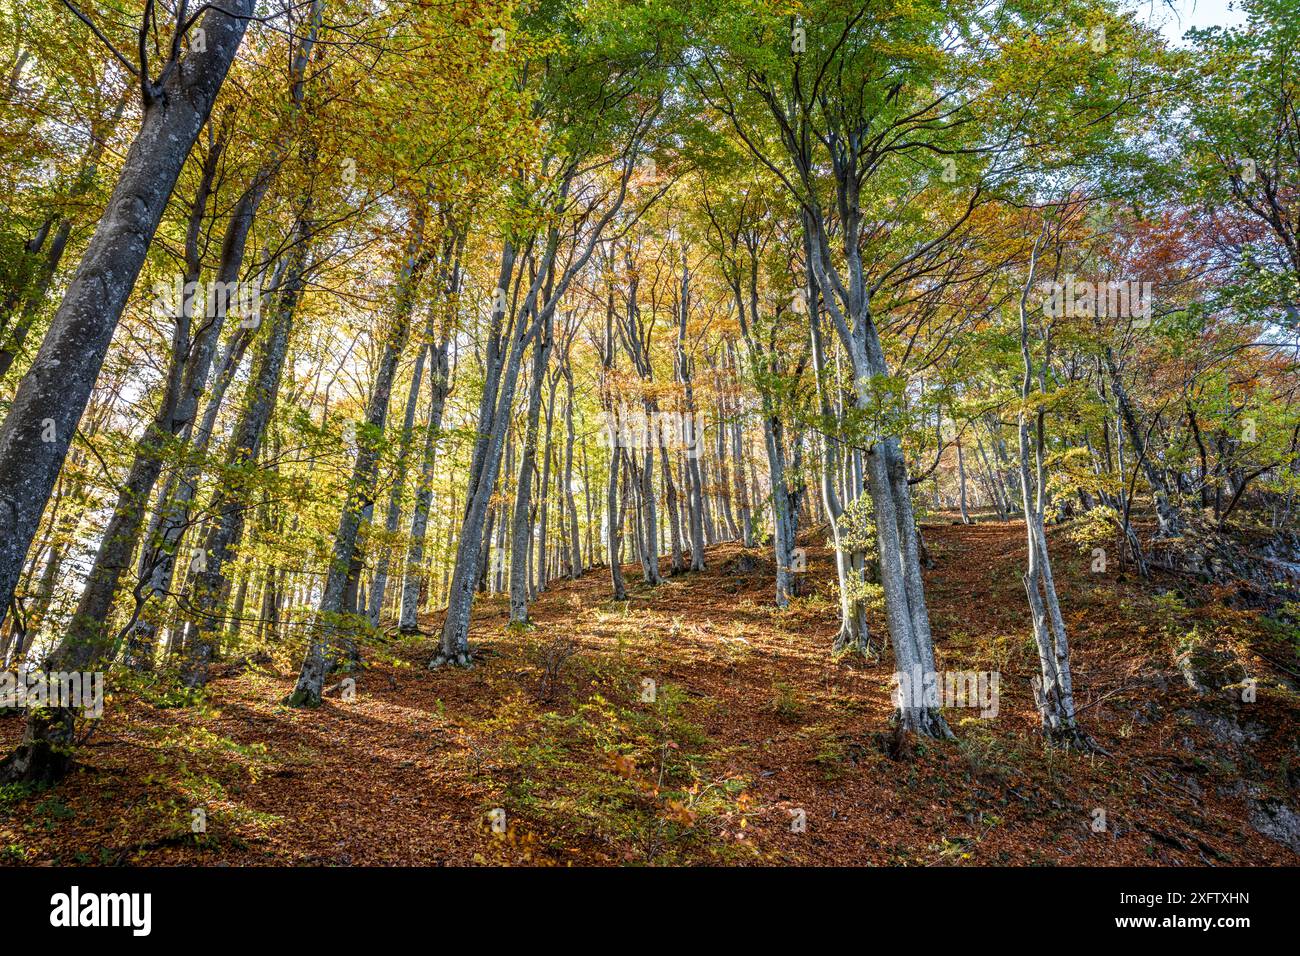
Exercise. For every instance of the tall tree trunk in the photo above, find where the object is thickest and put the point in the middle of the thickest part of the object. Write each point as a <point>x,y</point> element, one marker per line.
<point>961,479</point>
<point>330,623</point>
<point>1053,691</point>
<point>900,571</point>
<point>208,561</point>
<point>52,396</point>
<point>172,513</point>
<point>189,360</point>
<point>692,440</point>
<point>523,520</point>
<point>782,517</point>
<point>533,314</point>
<point>616,506</point>
<point>544,489</point>
<point>393,515</point>
<point>853,635</point>
<point>1169,518</point>
<point>439,387</point>
<point>575,543</point>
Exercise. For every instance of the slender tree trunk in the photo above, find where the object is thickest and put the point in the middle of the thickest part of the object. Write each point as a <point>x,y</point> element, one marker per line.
<point>575,543</point>
<point>900,570</point>
<point>330,624</point>
<point>961,479</point>
<point>414,575</point>
<point>393,515</point>
<point>189,362</point>
<point>522,525</point>
<point>544,489</point>
<point>614,516</point>
<point>1169,518</point>
<point>208,561</point>
<point>1053,691</point>
<point>853,635</point>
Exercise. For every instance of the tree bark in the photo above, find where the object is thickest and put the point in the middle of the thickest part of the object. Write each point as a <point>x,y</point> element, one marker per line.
<point>330,621</point>
<point>51,397</point>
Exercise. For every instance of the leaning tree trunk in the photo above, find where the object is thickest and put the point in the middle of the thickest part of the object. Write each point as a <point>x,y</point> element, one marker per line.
<point>1168,517</point>
<point>494,417</point>
<point>454,645</point>
<point>393,516</point>
<point>172,513</point>
<point>189,361</point>
<point>38,428</point>
<point>208,561</point>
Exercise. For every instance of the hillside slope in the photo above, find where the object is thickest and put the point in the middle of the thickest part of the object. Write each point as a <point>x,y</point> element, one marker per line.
<point>750,747</point>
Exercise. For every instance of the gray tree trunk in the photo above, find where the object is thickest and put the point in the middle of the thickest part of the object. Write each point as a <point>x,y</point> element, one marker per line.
<point>691,440</point>
<point>532,314</point>
<point>522,525</point>
<point>439,387</point>
<point>51,397</point>
<point>900,571</point>
<point>1168,516</point>
<point>1053,691</point>
<point>393,514</point>
<point>544,489</point>
<point>575,544</point>
<point>330,623</point>
<point>850,562</point>
<point>616,508</point>
<point>207,562</point>
<point>189,361</point>
<point>961,478</point>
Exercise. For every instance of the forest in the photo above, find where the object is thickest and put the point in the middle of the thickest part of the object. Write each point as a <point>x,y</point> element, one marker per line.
<point>649,432</point>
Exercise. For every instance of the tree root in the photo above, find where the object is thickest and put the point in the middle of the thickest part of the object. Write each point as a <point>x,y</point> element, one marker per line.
<point>464,659</point>
<point>846,644</point>
<point>303,697</point>
<point>924,723</point>
<point>44,755</point>
<point>1073,738</point>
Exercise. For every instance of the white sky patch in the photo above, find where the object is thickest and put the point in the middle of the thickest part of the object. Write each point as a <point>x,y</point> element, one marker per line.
<point>1187,14</point>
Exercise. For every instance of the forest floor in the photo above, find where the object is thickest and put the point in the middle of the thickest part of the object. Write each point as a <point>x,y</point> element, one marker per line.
<point>756,748</point>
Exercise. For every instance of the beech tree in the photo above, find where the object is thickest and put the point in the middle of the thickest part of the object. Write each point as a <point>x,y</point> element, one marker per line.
<point>38,428</point>
<point>685,290</point>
